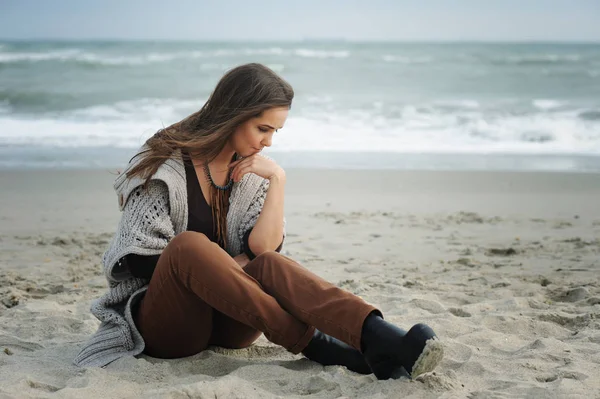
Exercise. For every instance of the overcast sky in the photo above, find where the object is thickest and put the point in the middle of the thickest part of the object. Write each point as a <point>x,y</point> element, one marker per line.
<point>447,20</point>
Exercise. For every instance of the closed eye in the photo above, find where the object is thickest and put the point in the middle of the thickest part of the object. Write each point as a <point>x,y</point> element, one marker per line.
<point>266,128</point>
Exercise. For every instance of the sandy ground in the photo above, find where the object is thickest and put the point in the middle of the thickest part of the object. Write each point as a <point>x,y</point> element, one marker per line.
<point>504,266</point>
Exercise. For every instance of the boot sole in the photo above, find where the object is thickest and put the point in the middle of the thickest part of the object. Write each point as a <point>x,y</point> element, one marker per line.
<point>432,355</point>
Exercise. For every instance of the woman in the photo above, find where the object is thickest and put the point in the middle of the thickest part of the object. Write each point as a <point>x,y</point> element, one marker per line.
<point>195,259</point>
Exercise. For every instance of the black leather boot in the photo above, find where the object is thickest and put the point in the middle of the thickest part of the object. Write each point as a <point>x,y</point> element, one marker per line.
<point>391,351</point>
<point>328,351</point>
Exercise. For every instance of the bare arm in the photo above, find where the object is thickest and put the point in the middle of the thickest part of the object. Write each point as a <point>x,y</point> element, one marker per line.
<point>268,230</point>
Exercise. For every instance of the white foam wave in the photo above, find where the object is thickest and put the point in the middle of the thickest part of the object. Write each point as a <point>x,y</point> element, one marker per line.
<point>319,99</point>
<point>321,53</point>
<point>547,104</point>
<point>418,132</point>
<point>82,56</point>
<point>122,124</point>
<point>460,104</point>
<point>60,133</point>
<point>413,129</point>
<point>406,60</point>
<point>144,109</point>
<point>266,51</point>
<point>539,58</point>
<point>86,57</point>
<point>39,56</point>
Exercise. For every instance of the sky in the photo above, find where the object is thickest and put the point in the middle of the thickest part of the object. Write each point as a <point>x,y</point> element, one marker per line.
<point>249,20</point>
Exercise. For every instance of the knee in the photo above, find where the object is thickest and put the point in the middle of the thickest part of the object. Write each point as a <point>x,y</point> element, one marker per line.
<point>188,240</point>
<point>266,260</point>
<point>268,257</point>
<point>189,243</point>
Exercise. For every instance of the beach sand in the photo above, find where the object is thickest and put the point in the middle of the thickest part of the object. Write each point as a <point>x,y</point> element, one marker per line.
<point>504,266</point>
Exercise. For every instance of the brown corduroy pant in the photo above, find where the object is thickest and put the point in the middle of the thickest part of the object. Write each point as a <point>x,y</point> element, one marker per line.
<point>199,296</point>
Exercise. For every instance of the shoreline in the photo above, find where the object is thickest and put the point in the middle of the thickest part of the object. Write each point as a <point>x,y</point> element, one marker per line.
<point>97,158</point>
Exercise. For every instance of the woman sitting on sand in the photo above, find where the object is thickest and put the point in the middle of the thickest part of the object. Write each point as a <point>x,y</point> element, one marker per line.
<point>195,259</point>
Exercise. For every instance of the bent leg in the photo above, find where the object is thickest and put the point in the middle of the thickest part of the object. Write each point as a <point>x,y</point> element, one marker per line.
<point>195,266</point>
<point>310,298</point>
<point>173,321</point>
<point>230,333</point>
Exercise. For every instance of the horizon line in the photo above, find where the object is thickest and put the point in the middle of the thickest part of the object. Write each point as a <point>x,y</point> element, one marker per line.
<point>313,40</point>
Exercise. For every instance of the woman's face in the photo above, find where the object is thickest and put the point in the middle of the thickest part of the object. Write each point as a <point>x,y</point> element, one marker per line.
<point>256,133</point>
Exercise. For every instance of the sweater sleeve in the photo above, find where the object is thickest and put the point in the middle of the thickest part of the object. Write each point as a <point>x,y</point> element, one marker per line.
<point>145,228</point>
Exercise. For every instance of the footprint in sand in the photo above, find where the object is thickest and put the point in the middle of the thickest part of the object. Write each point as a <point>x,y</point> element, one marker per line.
<point>459,312</point>
<point>428,305</point>
<point>42,386</point>
<point>9,341</point>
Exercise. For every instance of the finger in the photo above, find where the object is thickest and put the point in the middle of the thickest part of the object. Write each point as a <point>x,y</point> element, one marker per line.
<point>238,163</point>
<point>234,173</point>
<point>232,164</point>
<point>237,175</point>
<point>241,172</point>
<point>244,168</point>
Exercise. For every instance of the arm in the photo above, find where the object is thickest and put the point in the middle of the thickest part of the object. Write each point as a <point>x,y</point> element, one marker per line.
<point>248,252</point>
<point>145,229</point>
<point>268,230</point>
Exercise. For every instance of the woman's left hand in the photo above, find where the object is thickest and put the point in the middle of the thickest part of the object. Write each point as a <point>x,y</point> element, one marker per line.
<point>258,165</point>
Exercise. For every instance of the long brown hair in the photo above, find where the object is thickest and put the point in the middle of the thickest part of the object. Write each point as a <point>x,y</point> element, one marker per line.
<point>242,93</point>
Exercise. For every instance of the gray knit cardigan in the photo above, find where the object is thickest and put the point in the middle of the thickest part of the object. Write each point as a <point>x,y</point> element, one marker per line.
<point>150,219</point>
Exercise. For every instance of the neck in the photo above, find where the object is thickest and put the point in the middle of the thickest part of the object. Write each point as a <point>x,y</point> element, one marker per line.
<point>222,160</point>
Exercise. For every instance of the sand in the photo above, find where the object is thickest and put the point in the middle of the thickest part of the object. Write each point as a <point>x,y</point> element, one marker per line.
<point>504,266</point>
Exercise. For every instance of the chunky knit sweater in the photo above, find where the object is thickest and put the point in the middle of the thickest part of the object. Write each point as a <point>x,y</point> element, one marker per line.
<point>150,219</point>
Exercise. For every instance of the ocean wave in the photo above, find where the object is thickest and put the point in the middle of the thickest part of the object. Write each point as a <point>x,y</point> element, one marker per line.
<point>547,104</point>
<point>60,55</point>
<point>534,59</point>
<point>457,104</point>
<point>80,56</point>
<point>432,128</point>
<point>87,57</point>
<point>308,53</point>
<point>265,51</point>
<point>407,60</point>
<point>141,109</point>
<point>83,56</point>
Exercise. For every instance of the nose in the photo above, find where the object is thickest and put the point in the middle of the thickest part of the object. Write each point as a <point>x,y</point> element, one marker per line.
<point>266,142</point>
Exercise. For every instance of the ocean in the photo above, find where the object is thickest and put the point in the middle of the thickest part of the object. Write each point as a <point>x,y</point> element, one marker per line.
<point>473,106</point>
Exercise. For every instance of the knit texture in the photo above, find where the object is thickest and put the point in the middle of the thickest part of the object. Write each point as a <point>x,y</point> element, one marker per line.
<point>150,219</point>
